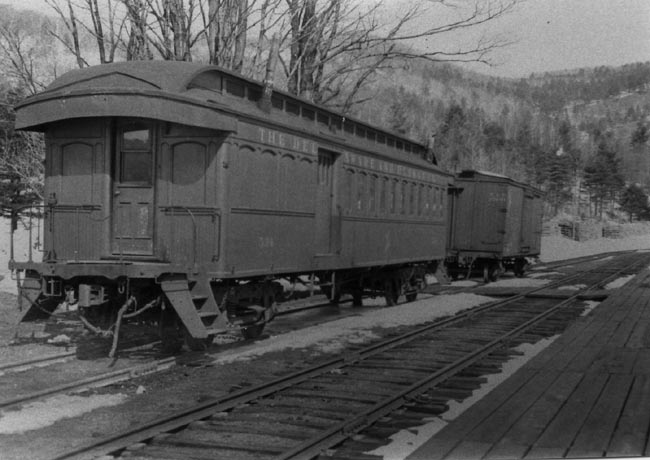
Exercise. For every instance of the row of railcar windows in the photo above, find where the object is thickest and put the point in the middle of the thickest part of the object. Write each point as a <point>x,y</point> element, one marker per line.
<point>324,120</point>
<point>375,195</point>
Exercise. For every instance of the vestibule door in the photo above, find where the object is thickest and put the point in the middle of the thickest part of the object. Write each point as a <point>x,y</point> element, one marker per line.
<point>133,190</point>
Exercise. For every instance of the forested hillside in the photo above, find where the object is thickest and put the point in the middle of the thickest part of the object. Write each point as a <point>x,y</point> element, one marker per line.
<point>580,135</point>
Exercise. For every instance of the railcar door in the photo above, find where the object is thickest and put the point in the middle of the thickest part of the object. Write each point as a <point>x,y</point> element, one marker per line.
<point>325,216</point>
<point>133,190</point>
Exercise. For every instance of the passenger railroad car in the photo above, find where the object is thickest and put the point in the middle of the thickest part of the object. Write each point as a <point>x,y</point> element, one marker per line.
<point>188,191</point>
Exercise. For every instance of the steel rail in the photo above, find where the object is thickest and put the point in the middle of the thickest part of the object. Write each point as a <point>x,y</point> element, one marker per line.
<point>333,436</point>
<point>143,433</point>
<point>41,361</point>
<point>103,379</point>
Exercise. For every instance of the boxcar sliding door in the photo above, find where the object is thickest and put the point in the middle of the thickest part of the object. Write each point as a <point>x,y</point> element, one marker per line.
<point>133,190</point>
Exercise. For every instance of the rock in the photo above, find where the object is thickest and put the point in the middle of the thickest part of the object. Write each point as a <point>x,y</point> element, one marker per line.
<point>140,390</point>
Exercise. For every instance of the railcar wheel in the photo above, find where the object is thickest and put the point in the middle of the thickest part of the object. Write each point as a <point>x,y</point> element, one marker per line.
<point>267,301</point>
<point>391,292</point>
<point>170,330</point>
<point>253,332</point>
<point>486,273</point>
<point>333,299</point>
<point>357,298</point>
<point>196,344</point>
<point>495,272</point>
<point>520,267</point>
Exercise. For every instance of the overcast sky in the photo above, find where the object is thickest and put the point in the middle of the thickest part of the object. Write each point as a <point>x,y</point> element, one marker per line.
<point>565,34</point>
<point>552,34</point>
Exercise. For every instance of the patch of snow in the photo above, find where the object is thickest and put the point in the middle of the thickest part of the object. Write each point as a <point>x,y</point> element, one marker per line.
<point>573,287</point>
<point>557,247</point>
<point>21,252</point>
<point>543,274</point>
<point>617,283</point>
<point>45,413</point>
<point>464,283</point>
<point>405,442</point>
<point>336,335</point>
<point>589,306</point>
<point>519,282</point>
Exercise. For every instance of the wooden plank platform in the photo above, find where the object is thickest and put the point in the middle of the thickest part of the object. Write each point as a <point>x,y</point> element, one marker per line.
<point>586,396</point>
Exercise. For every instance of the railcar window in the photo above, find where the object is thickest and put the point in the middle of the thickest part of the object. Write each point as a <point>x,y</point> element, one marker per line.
<point>421,204</point>
<point>235,88</point>
<point>136,159</point>
<point>390,142</point>
<point>361,132</point>
<point>392,197</point>
<point>323,119</point>
<point>381,138</point>
<point>400,145</point>
<point>348,128</point>
<point>277,101</point>
<point>383,190</point>
<point>404,198</point>
<point>336,123</point>
<point>372,185</point>
<point>253,93</point>
<point>348,193</point>
<point>136,139</point>
<point>361,184</point>
<point>292,108</point>
<point>412,198</point>
<point>309,114</point>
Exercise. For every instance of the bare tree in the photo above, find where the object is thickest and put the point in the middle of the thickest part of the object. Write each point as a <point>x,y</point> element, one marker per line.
<point>69,19</point>
<point>337,46</point>
<point>330,50</point>
<point>137,47</point>
<point>108,25</point>
<point>25,50</point>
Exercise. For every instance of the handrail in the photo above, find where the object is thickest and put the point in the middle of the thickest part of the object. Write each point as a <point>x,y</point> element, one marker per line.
<point>15,216</point>
<point>174,208</point>
<point>39,212</point>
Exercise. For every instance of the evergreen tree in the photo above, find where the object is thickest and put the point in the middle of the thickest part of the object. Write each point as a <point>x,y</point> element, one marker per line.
<point>603,179</point>
<point>634,201</point>
<point>452,138</point>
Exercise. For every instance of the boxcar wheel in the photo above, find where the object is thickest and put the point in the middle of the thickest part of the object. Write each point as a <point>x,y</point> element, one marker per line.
<point>520,267</point>
<point>495,272</point>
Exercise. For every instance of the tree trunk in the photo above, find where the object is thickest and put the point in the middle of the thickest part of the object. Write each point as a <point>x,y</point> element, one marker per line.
<point>75,36</point>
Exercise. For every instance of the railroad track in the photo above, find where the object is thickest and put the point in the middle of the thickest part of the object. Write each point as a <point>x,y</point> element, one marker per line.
<point>41,361</point>
<point>308,412</point>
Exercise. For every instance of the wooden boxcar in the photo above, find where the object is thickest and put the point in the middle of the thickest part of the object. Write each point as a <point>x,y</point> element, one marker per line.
<point>188,189</point>
<point>495,224</point>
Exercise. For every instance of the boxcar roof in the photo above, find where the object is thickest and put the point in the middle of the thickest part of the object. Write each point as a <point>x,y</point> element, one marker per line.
<point>483,176</point>
<point>193,94</point>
